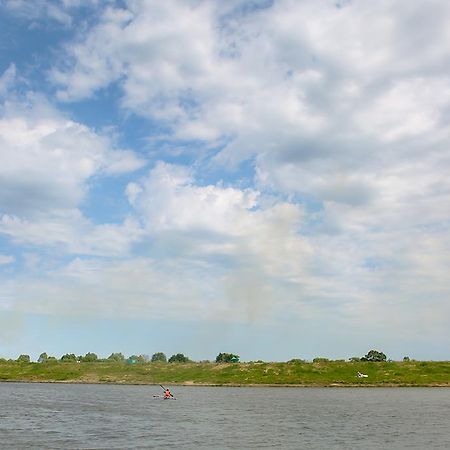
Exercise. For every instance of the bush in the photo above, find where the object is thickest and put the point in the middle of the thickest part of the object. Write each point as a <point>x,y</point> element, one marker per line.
<point>227,358</point>
<point>374,356</point>
<point>179,358</point>
<point>68,357</point>
<point>320,360</point>
<point>43,357</point>
<point>89,357</point>
<point>117,357</point>
<point>23,359</point>
<point>136,359</point>
<point>159,357</point>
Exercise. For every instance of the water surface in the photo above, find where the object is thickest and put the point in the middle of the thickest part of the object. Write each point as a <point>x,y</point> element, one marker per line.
<point>72,416</point>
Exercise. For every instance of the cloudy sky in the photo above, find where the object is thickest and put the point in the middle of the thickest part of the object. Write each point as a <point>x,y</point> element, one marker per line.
<point>269,178</point>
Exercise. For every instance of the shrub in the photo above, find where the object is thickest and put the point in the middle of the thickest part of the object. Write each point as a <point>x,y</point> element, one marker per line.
<point>227,358</point>
<point>118,357</point>
<point>374,356</point>
<point>89,357</point>
<point>179,358</point>
<point>159,357</point>
<point>68,357</point>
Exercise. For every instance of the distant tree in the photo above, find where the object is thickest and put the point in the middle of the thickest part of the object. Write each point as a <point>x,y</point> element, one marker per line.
<point>354,359</point>
<point>118,357</point>
<point>23,359</point>
<point>68,357</point>
<point>320,360</point>
<point>294,361</point>
<point>43,357</point>
<point>406,359</point>
<point>159,357</point>
<point>90,357</point>
<point>179,358</point>
<point>139,359</point>
<point>51,359</point>
<point>374,356</point>
<point>227,358</point>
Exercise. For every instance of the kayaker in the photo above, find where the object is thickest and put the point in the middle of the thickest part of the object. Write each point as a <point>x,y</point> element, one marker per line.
<point>167,393</point>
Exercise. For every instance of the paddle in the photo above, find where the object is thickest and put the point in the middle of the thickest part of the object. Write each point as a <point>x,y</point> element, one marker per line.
<point>162,387</point>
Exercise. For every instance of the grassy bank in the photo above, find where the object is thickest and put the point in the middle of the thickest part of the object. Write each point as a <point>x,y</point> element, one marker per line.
<point>328,373</point>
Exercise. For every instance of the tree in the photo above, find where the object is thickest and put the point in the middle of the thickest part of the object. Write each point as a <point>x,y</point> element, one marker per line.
<point>159,357</point>
<point>227,358</point>
<point>43,357</point>
<point>320,360</point>
<point>374,356</point>
<point>179,358</point>
<point>406,359</point>
<point>89,357</point>
<point>136,358</point>
<point>23,359</point>
<point>68,357</point>
<point>118,357</point>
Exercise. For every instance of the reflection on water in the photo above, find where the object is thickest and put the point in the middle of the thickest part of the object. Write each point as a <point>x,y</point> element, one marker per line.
<point>104,416</point>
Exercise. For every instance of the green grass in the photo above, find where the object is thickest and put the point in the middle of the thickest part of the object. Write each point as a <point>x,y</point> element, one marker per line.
<point>324,373</point>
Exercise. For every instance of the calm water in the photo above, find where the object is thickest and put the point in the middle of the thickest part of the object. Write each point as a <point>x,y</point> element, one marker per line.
<point>103,416</point>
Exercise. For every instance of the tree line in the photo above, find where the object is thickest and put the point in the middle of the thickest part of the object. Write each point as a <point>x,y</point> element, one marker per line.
<point>120,357</point>
<point>371,356</point>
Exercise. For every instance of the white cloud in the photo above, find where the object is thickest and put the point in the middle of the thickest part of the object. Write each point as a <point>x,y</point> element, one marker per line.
<point>412,107</point>
<point>47,159</point>
<point>71,233</point>
<point>169,200</point>
<point>48,163</point>
<point>138,288</point>
<point>7,79</point>
<point>6,259</point>
<point>343,110</point>
<point>250,239</point>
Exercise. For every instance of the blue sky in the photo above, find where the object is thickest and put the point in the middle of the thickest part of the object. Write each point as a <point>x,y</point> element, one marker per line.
<point>263,178</point>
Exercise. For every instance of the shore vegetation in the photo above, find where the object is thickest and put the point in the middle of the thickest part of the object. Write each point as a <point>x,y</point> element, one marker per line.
<point>297,372</point>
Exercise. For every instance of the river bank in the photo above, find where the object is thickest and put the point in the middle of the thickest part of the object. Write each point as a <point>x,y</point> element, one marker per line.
<point>297,373</point>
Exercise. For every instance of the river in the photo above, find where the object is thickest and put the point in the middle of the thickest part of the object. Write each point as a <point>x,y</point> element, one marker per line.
<point>71,416</point>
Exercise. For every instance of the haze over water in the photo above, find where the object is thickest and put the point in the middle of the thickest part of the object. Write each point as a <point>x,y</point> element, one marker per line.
<point>101,416</point>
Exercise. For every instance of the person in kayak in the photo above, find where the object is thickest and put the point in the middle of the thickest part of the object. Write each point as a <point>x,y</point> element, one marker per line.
<point>167,393</point>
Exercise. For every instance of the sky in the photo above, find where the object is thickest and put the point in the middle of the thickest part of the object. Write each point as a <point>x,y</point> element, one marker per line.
<point>267,178</point>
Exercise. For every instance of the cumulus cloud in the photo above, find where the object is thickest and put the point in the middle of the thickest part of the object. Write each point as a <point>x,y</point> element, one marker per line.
<point>321,94</point>
<point>341,110</point>
<point>169,199</point>
<point>47,159</point>
<point>47,165</point>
